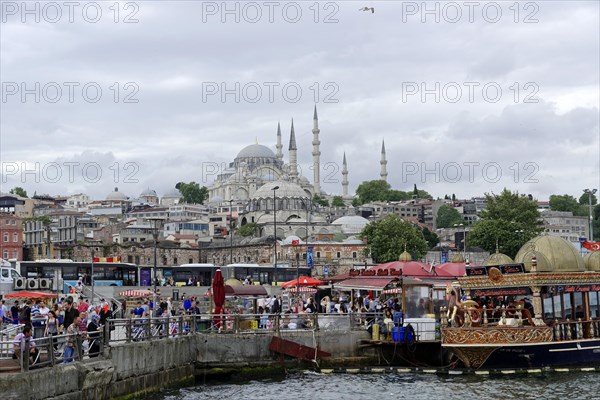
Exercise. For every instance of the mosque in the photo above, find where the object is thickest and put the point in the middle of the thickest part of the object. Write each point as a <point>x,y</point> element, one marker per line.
<point>259,177</point>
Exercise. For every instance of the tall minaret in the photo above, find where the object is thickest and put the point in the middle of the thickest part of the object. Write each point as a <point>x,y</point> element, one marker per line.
<point>316,153</point>
<point>279,146</point>
<point>383,174</point>
<point>344,177</point>
<point>293,155</point>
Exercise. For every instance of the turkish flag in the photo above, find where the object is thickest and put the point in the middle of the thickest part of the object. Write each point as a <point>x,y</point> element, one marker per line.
<point>295,242</point>
<point>592,246</point>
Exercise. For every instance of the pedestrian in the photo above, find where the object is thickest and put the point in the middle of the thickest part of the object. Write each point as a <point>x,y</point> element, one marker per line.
<point>19,344</point>
<point>70,343</point>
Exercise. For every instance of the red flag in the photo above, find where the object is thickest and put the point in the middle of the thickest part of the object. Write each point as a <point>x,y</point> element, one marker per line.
<point>295,242</point>
<point>592,246</point>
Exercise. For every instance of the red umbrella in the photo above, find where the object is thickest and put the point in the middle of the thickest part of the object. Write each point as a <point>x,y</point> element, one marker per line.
<point>304,281</point>
<point>218,287</point>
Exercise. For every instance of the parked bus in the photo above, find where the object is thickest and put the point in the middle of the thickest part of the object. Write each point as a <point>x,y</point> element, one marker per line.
<point>264,273</point>
<point>65,273</point>
<point>199,274</point>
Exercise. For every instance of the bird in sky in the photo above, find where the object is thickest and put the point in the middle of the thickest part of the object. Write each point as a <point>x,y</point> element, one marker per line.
<point>372,9</point>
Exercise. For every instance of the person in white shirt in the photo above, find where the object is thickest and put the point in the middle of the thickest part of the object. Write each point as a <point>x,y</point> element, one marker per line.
<point>44,310</point>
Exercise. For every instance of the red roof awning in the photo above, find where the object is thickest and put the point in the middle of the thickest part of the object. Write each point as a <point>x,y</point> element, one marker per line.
<point>366,283</point>
<point>29,295</point>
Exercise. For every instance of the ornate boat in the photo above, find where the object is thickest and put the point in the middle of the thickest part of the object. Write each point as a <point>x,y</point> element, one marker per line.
<point>541,311</point>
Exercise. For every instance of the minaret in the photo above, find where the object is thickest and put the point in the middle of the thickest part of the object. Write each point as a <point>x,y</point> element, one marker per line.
<point>279,146</point>
<point>293,155</point>
<point>344,177</point>
<point>316,153</point>
<point>383,174</point>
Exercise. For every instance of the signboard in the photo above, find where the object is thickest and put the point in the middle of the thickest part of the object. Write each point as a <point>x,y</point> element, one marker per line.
<point>504,269</point>
<point>520,291</point>
<point>309,257</point>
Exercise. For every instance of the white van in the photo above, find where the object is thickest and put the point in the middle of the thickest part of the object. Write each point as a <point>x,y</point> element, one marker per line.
<point>7,276</point>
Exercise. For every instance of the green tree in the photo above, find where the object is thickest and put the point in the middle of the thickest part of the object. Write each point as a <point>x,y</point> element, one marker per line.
<point>509,220</point>
<point>369,191</point>
<point>337,201</point>
<point>250,229</point>
<point>584,199</point>
<point>397,195</point>
<point>447,217</point>
<point>415,190</point>
<point>431,238</point>
<point>388,237</point>
<point>19,191</point>
<point>323,202</point>
<point>563,202</point>
<point>192,193</point>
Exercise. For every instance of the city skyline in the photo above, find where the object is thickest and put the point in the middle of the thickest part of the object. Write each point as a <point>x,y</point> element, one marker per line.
<point>186,101</point>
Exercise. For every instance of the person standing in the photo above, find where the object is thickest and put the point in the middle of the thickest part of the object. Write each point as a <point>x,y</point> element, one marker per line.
<point>14,311</point>
<point>70,314</point>
<point>72,335</point>
<point>3,313</point>
<point>52,327</point>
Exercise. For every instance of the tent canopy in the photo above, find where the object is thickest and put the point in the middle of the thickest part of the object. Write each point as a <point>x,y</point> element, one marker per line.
<point>302,281</point>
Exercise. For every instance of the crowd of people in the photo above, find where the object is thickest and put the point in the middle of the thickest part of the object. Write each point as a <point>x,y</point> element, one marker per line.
<point>54,318</point>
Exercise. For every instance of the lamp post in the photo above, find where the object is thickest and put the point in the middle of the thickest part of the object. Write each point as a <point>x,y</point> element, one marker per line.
<point>275,232</point>
<point>464,232</point>
<point>230,234</point>
<point>590,193</point>
<point>297,274</point>
<point>155,227</point>
<point>92,275</point>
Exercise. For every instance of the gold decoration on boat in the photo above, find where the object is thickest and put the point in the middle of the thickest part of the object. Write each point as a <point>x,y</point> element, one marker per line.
<point>499,335</point>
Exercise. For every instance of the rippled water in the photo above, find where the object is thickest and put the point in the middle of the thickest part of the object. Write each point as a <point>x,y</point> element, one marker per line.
<point>309,385</point>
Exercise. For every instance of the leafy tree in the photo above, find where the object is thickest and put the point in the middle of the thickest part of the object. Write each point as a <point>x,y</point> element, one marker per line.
<point>250,229</point>
<point>323,202</point>
<point>387,238</point>
<point>415,190</point>
<point>337,201</point>
<point>584,199</point>
<point>192,193</point>
<point>509,220</point>
<point>397,195</point>
<point>563,202</point>
<point>447,217</point>
<point>19,191</point>
<point>369,191</point>
<point>431,238</point>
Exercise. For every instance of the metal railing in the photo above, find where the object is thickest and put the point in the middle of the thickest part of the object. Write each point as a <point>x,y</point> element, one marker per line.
<point>52,350</point>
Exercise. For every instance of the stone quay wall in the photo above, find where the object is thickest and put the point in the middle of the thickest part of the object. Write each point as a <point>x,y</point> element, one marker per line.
<point>136,368</point>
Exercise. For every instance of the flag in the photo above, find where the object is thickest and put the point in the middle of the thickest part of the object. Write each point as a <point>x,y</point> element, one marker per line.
<point>592,246</point>
<point>309,257</point>
<point>295,242</point>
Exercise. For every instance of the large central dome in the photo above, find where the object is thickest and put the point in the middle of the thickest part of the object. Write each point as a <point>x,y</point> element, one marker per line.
<point>285,189</point>
<point>256,150</point>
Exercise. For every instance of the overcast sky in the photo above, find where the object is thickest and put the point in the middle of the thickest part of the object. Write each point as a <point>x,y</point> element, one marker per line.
<point>429,88</point>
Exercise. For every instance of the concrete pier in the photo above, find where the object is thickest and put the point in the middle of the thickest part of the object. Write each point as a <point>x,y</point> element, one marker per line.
<point>137,368</point>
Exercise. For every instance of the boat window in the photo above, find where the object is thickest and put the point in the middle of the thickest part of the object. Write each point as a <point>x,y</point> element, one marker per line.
<point>594,309</point>
<point>566,305</point>
<point>578,303</point>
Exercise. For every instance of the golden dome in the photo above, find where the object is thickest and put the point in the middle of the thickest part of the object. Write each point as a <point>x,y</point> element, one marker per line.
<point>233,282</point>
<point>592,261</point>
<point>554,254</point>
<point>405,256</point>
<point>457,258</point>
<point>497,259</point>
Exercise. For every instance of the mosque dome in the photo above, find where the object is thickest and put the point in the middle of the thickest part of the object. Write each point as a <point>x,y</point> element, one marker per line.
<point>148,193</point>
<point>116,196</point>
<point>173,194</point>
<point>457,258</point>
<point>592,261</point>
<point>553,254</point>
<point>351,224</point>
<point>255,150</point>
<point>285,189</point>
<point>497,258</point>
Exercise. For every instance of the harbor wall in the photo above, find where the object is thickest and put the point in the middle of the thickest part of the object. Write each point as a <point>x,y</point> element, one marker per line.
<point>137,368</point>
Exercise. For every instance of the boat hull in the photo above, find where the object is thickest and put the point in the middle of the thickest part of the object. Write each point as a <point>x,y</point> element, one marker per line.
<point>529,355</point>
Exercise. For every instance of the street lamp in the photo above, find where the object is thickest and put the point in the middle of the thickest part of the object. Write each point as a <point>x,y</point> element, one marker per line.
<point>230,234</point>
<point>155,227</point>
<point>590,193</point>
<point>275,231</point>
